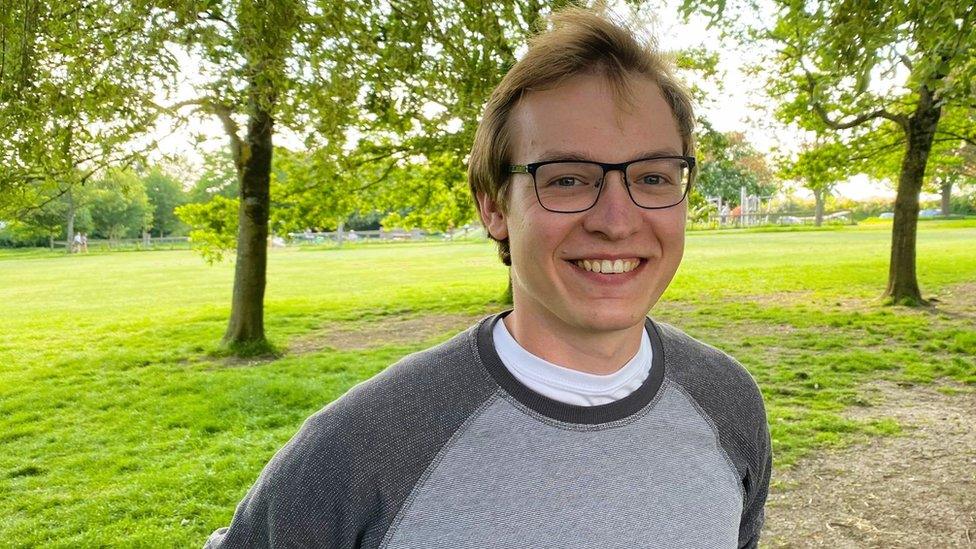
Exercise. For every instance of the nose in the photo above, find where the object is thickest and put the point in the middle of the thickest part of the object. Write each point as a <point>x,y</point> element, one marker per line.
<point>614,216</point>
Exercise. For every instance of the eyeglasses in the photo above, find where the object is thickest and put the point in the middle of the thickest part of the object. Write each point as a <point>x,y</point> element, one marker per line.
<point>572,186</point>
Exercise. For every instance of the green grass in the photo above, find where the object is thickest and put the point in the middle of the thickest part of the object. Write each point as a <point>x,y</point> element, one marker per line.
<point>121,423</point>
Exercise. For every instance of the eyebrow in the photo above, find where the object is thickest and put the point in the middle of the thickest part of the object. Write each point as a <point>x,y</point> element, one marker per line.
<point>576,156</point>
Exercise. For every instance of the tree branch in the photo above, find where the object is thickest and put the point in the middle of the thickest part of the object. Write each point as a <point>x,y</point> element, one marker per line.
<point>387,154</point>
<point>213,16</point>
<point>379,179</point>
<point>901,120</point>
<point>223,112</point>
<point>971,139</point>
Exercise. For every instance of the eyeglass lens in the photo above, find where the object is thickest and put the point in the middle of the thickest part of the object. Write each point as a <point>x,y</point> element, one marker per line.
<point>573,186</point>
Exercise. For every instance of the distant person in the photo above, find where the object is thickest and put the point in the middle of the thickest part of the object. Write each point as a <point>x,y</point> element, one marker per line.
<point>76,243</point>
<point>84,242</point>
<point>572,420</point>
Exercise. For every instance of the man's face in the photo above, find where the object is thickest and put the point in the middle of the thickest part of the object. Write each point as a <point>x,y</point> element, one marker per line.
<point>583,119</point>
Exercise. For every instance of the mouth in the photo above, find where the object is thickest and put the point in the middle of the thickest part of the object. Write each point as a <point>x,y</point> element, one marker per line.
<point>609,266</point>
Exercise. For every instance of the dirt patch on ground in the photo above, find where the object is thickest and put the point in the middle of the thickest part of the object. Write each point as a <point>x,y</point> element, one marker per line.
<point>914,490</point>
<point>958,301</point>
<point>394,330</point>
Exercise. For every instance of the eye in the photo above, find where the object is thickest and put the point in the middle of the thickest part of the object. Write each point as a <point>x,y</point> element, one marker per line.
<point>566,181</point>
<point>651,179</point>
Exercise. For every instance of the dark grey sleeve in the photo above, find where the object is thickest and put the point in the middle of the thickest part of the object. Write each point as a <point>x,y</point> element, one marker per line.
<point>753,515</point>
<point>305,496</point>
<point>731,399</point>
<point>340,481</point>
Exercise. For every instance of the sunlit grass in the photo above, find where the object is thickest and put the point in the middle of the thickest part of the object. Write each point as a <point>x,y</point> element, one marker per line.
<point>120,425</point>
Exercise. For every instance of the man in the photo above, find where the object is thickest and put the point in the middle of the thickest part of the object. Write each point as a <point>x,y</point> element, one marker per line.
<point>572,420</point>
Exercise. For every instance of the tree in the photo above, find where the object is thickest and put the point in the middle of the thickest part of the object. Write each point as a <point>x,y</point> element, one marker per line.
<point>119,206</point>
<point>76,80</point>
<point>832,66</point>
<point>309,189</point>
<point>952,162</point>
<point>952,169</point>
<point>727,163</point>
<point>219,177</point>
<point>39,225</point>
<point>165,194</point>
<point>321,68</point>
<point>819,167</point>
<point>432,194</point>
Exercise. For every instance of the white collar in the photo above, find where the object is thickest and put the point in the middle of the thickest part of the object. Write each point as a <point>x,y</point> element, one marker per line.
<point>566,384</point>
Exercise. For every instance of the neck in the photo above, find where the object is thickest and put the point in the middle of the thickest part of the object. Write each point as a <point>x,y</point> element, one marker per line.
<point>599,353</point>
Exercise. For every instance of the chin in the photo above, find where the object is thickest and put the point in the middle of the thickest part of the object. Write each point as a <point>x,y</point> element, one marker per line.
<point>615,320</point>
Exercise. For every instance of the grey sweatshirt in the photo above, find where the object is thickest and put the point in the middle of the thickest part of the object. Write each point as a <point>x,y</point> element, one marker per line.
<point>446,449</point>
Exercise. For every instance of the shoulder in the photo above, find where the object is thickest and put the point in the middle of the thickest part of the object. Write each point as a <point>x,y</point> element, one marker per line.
<point>414,387</point>
<point>422,393</point>
<point>356,460</point>
<point>704,371</point>
<point>724,393</point>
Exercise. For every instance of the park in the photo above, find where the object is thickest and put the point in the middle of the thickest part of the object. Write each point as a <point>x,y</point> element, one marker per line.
<point>217,218</point>
<point>123,424</point>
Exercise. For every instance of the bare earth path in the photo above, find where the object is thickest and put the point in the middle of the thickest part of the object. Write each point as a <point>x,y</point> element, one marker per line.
<point>914,490</point>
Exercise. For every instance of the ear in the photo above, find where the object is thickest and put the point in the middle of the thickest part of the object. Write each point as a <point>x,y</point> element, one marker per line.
<point>492,216</point>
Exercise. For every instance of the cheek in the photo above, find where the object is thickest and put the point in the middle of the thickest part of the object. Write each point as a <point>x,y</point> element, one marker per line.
<point>670,231</point>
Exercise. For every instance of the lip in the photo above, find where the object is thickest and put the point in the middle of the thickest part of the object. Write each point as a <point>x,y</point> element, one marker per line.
<point>613,257</point>
<point>609,279</point>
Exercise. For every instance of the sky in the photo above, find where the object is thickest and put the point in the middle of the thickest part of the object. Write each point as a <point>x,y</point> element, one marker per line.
<point>736,107</point>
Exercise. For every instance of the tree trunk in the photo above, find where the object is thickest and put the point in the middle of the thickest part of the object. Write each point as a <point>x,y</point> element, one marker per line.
<point>818,196</point>
<point>246,324</point>
<point>920,129</point>
<point>70,229</point>
<point>945,189</point>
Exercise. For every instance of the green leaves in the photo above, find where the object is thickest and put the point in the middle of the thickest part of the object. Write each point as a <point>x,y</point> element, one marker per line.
<point>728,162</point>
<point>80,91</point>
<point>213,226</point>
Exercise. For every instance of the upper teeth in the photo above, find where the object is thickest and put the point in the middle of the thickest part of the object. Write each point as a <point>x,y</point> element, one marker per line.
<point>608,266</point>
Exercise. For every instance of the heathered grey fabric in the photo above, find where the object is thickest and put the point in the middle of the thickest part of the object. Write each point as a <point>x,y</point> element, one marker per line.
<point>443,450</point>
<point>730,399</point>
<point>514,479</point>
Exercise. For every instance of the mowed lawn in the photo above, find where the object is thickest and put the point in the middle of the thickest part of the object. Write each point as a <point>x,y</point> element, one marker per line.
<point>119,425</point>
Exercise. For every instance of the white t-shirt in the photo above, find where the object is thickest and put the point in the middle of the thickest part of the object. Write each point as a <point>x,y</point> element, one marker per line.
<point>568,385</point>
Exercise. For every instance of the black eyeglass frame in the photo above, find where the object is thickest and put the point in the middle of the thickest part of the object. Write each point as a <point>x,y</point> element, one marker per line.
<point>607,168</point>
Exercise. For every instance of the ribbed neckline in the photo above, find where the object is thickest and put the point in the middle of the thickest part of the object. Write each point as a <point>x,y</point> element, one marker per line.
<point>561,411</point>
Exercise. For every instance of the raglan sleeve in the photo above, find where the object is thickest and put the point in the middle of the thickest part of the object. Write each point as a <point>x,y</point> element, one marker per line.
<point>760,465</point>
<point>304,497</point>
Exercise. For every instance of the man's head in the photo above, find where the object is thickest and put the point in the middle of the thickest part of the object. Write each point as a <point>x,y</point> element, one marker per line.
<point>585,90</point>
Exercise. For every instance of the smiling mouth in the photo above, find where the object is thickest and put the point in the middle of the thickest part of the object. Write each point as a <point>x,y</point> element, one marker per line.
<point>608,266</point>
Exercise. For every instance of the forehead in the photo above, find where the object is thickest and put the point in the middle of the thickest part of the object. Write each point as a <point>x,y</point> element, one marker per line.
<point>587,116</point>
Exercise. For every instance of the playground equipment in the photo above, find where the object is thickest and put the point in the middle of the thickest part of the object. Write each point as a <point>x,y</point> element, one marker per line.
<point>749,211</point>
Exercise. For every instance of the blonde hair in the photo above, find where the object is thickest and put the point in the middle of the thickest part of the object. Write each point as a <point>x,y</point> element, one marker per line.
<point>578,42</point>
